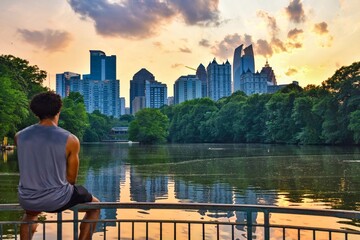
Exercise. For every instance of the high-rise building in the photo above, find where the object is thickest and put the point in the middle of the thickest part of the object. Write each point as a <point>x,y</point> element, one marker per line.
<point>102,67</point>
<point>155,94</point>
<point>271,79</point>
<point>187,88</point>
<point>144,85</point>
<point>100,88</point>
<point>122,106</point>
<point>219,80</point>
<point>138,103</point>
<point>251,83</point>
<point>63,82</point>
<point>170,101</point>
<point>137,85</point>
<point>202,75</point>
<point>242,63</point>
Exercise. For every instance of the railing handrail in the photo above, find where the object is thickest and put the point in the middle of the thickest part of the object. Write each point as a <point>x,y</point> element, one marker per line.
<point>208,206</point>
<point>267,210</point>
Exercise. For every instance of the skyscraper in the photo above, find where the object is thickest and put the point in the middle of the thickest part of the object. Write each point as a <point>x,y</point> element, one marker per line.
<point>155,94</point>
<point>242,63</point>
<point>100,88</point>
<point>102,67</point>
<point>143,86</point>
<point>63,82</point>
<point>201,74</point>
<point>219,80</point>
<point>137,85</point>
<point>237,68</point>
<point>187,88</point>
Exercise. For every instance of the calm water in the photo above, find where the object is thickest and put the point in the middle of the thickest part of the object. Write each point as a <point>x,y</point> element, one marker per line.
<point>303,176</point>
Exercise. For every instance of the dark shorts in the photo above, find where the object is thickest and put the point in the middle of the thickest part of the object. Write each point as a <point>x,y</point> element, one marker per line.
<point>80,195</point>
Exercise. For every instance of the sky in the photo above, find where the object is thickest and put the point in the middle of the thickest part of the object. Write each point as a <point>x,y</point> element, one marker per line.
<point>303,40</point>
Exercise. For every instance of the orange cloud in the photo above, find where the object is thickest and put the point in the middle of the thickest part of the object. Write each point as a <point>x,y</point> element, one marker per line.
<point>225,48</point>
<point>291,72</point>
<point>295,11</point>
<point>321,28</point>
<point>49,40</point>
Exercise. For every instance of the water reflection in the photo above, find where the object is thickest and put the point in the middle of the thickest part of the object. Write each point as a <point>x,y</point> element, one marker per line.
<point>303,176</point>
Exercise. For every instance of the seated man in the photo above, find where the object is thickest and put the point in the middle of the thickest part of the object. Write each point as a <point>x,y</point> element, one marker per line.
<point>49,163</point>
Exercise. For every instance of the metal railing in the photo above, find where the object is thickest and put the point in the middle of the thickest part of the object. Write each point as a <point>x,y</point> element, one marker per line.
<point>257,222</point>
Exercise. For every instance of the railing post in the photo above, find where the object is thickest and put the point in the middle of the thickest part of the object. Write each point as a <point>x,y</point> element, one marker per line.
<point>249,224</point>
<point>76,224</point>
<point>59,225</point>
<point>267,224</point>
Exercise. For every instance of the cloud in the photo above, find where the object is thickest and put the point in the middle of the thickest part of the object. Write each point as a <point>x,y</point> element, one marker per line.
<point>291,72</point>
<point>204,43</point>
<point>49,40</point>
<point>225,48</point>
<point>294,37</point>
<point>321,28</point>
<point>292,45</point>
<point>139,19</point>
<point>198,12</point>
<point>185,50</point>
<point>278,45</point>
<point>275,43</point>
<point>271,22</point>
<point>263,48</point>
<point>177,65</point>
<point>295,11</point>
<point>295,33</point>
<point>158,44</point>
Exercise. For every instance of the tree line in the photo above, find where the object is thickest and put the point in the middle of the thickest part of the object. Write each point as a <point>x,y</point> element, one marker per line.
<point>325,114</point>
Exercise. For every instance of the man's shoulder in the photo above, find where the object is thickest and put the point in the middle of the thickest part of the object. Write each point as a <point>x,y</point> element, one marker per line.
<point>29,128</point>
<point>62,130</point>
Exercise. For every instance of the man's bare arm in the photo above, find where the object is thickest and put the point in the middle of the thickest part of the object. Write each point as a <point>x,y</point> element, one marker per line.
<point>72,158</point>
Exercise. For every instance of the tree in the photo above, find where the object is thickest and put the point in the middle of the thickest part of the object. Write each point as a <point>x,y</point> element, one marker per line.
<point>25,77</point>
<point>127,117</point>
<point>345,88</point>
<point>150,126</point>
<point>187,119</point>
<point>251,120</point>
<point>14,107</point>
<point>19,83</point>
<point>279,125</point>
<point>354,125</point>
<point>73,115</point>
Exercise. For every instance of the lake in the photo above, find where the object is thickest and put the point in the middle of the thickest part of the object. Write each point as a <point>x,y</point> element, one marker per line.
<point>321,177</point>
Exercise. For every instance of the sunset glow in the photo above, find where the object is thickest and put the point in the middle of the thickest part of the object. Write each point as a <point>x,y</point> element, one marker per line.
<point>304,40</point>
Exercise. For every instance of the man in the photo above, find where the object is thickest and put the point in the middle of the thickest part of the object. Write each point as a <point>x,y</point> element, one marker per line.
<point>48,159</point>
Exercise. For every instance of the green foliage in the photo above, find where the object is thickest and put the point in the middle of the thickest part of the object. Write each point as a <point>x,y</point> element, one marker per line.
<point>355,125</point>
<point>324,114</point>
<point>279,124</point>
<point>73,115</point>
<point>14,107</point>
<point>189,117</point>
<point>150,126</point>
<point>19,83</point>
<point>127,118</point>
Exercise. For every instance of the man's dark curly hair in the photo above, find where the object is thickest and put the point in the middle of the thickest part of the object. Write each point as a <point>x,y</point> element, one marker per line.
<point>46,105</point>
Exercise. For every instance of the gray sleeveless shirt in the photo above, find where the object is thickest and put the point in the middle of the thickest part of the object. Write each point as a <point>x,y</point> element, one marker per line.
<point>42,163</point>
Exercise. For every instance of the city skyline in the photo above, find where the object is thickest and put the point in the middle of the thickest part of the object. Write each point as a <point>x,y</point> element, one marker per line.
<point>303,40</point>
